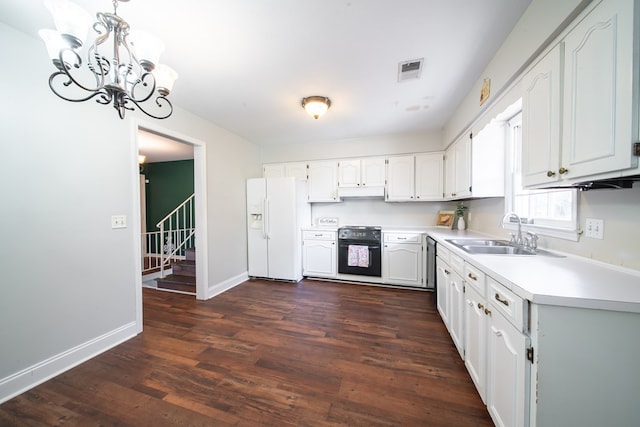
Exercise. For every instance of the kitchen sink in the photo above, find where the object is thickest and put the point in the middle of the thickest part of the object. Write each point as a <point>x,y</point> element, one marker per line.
<point>496,247</point>
<point>478,242</point>
<point>497,250</point>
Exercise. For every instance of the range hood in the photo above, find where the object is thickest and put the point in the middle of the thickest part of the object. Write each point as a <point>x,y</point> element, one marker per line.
<point>362,192</point>
<point>602,184</point>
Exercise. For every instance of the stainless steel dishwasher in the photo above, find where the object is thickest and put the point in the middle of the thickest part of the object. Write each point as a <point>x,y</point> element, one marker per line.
<point>430,272</point>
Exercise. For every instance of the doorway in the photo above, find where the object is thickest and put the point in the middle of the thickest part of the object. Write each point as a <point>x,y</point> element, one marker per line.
<point>196,149</point>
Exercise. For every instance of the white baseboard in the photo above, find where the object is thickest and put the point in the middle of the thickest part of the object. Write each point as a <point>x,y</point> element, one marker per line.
<point>30,377</point>
<point>226,285</point>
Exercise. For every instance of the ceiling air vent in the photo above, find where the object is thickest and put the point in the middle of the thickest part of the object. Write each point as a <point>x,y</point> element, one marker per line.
<point>410,70</point>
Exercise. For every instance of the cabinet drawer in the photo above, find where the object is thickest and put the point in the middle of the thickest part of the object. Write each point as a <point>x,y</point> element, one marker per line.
<point>457,263</point>
<point>506,302</point>
<point>475,278</point>
<point>402,238</point>
<point>319,235</point>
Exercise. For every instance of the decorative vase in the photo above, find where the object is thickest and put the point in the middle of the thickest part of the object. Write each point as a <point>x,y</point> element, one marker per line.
<point>462,225</point>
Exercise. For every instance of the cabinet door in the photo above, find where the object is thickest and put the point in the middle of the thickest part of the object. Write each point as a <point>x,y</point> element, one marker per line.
<point>508,373</point>
<point>443,271</point>
<point>402,264</point>
<point>462,168</point>
<point>373,172</point>
<point>450,172</point>
<point>319,258</point>
<point>541,121</point>
<point>429,176</point>
<point>349,173</point>
<point>599,92</point>
<point>273,170</point>
<point>456,311</point>
<point>400,179</point>
<point>475,339</point>
<point>297,170</point>
<point>323,181</point>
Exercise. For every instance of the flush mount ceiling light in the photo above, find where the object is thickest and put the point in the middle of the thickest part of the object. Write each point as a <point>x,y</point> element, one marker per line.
<point>316,105</point>
<point>121,64</point>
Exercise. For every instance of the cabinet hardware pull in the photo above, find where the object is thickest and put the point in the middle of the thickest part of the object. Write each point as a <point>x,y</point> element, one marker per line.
<point>551,173</point>
<point>318,235</point>
<point>480,306</point>
<point>563,171</point>
<point>504,301</point>
<point>487,312</point>
<point>447,271</point>
<point>498,333</point>
<point>472,276</point>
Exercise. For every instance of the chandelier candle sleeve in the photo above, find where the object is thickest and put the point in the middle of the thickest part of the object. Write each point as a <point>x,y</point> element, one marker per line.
<point>122,65</point>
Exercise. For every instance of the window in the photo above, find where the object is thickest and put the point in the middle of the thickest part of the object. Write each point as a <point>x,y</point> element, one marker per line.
<point>551,212</point>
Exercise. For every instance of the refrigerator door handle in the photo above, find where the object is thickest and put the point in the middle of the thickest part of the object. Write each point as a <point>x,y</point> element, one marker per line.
<point>265,218</point>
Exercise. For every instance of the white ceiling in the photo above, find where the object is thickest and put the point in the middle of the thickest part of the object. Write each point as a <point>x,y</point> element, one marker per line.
<point>246,64</point>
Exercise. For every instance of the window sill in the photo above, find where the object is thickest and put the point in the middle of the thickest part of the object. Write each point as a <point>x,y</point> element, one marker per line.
<point>559,233</point>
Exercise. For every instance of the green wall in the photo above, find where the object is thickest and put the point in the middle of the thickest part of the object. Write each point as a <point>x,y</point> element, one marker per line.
<point>169,184</point>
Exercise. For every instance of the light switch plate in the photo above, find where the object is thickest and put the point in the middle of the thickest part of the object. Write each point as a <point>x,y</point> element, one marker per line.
<point>119,221</point>
<point>594,228</point>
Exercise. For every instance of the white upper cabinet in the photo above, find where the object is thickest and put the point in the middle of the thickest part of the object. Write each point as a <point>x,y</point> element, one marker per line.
<point>400,178</point>
<point>362,172</point>
<point>474,164</point>
<point>458,169</point>
<point>429,176</point>
<point>415,178</point>
<point>598,89</point>
<point>373,172</point>
<point>323,181</point>
<point>298,170</point>
<point>590,133</point>
<point>273,170</point>
<point>541,120</point>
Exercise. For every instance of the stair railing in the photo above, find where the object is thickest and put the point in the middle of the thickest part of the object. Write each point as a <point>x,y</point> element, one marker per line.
<point>177,232</point>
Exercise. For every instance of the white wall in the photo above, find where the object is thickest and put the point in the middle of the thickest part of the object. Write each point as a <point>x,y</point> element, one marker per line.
<point>355,147</point>
<point>69,281</point>
<point>376,212</point>
<point>539,23</point>
<point>620,210</point>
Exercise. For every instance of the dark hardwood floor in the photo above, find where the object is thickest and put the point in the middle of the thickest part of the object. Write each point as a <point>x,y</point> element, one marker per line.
<point>269,354</point>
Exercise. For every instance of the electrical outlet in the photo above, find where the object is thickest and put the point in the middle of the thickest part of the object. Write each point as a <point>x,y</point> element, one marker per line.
<point>594,228</point>
<point>119,221</point>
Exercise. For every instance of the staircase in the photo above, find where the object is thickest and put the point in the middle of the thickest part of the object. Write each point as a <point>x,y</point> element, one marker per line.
<point>183,277</point>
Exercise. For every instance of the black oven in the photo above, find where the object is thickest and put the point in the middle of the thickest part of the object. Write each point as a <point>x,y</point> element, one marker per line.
<point>360,251</point>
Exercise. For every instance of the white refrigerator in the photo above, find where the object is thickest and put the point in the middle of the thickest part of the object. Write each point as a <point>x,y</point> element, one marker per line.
<point>277,209</point>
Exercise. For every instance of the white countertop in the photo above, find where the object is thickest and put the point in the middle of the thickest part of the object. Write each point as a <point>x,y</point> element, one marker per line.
<point>569,281</point>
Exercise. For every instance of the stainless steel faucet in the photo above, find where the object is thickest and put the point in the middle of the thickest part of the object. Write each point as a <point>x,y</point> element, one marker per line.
<point>518,240</point>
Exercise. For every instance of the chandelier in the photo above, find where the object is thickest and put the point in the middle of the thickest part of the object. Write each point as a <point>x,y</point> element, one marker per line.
<point>121,64</point>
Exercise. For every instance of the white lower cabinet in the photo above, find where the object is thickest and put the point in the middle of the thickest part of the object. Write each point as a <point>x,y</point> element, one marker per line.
<point>319,254</point>
<point>508,373</point>
<point>402,259</point>
<point>488,325</point>
<point>450,296</point>
<point>475,339</point>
